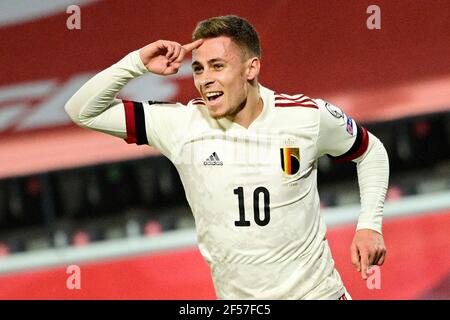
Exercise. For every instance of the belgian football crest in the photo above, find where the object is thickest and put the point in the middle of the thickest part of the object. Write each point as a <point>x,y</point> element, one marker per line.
<point>290,160</point>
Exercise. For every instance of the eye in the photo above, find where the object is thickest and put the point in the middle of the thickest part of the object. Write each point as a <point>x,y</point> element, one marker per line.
<point>197,69</point>
<point>218,66</point>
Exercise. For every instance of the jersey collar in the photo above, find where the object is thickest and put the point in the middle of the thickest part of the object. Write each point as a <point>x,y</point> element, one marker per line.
<point>268,98</point>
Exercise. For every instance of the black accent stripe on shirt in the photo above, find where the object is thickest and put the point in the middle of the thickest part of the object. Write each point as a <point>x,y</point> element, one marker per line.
<point>158,102</point>
<point>355,151</point>
<point>139,117</point>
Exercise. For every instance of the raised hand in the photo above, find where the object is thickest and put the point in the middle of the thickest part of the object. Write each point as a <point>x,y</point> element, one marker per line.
<point>165,57</point>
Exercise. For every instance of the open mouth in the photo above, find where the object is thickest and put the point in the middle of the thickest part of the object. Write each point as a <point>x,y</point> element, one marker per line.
<point>211,96</point>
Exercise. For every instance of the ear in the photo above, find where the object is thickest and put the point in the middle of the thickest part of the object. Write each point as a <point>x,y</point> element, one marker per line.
<point>254,64</point>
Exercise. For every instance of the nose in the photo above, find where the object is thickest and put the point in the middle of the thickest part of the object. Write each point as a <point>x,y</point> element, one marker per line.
<point>207,82</point>
<point>206,79</point>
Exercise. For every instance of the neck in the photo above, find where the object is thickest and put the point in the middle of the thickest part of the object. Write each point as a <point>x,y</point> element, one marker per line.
<point>251,108</point>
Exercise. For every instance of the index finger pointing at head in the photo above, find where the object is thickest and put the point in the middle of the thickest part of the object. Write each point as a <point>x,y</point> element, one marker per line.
<point>193,45</point>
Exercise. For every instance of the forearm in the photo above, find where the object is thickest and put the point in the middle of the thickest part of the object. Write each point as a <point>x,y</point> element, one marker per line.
<point>88,106</point>
<point>373,178</point>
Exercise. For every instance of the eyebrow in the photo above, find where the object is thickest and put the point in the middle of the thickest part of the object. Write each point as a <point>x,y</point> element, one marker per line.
<point>211,61</point>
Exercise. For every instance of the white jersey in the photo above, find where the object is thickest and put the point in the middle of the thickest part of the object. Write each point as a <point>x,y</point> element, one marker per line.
<point>252,191</point>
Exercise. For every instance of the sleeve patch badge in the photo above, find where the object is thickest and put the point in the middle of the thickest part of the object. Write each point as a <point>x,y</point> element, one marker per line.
<point>350,125</point>
<point>335,111</point>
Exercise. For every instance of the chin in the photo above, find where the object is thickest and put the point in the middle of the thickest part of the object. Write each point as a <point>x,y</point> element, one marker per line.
<point>216,114</point>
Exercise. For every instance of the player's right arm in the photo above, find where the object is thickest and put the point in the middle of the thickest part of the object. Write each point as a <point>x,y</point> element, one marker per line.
<point>95,105</point>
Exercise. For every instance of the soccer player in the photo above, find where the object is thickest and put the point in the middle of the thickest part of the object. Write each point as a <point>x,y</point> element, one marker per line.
<point>247,158</point>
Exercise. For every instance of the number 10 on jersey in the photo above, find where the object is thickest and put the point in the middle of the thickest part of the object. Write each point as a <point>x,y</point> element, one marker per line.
<point>242,222</point>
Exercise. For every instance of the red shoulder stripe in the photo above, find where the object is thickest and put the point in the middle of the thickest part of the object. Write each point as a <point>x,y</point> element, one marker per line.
<point>293,104</point>
<point>299,100</point>
<point>305,99</point>
<point>292,98</point>
<point>197,101</point>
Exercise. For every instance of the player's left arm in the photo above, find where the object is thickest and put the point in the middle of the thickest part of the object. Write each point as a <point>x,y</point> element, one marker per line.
<point>344,140</point>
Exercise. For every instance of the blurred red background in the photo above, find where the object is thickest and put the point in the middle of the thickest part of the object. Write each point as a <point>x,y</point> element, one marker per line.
<point>320,48</point>
<point>416,247</point>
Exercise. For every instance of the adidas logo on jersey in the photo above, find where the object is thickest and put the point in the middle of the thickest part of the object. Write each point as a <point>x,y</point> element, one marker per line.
<point>213,160</point>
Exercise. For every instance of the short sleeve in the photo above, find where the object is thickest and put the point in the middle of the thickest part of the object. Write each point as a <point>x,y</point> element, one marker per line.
<point>340,137</point>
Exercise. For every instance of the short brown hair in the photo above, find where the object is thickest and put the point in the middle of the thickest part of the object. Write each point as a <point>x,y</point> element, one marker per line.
<point>234,27</point>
